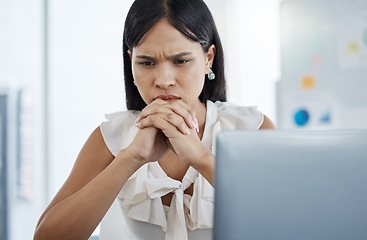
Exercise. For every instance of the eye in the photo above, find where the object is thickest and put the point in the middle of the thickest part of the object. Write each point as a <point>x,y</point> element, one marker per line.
<point>147,64</point>
<point>181,61</point>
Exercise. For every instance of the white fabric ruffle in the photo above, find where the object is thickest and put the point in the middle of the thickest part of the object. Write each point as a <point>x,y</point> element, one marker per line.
<point>141,200</point>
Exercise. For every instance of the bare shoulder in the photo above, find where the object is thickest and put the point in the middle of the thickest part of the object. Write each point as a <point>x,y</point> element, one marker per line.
<point>267,124</point>
<point>93,158</point>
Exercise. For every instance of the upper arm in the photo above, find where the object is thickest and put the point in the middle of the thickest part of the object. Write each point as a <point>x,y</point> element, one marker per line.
<point>92,160</point>
<point>267,124</point>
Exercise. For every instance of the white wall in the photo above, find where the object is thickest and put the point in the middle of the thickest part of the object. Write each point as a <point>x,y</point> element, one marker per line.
<point>85,75</point>
<point>253,61</point>
<point>249,32</point>
<point>22,68</point>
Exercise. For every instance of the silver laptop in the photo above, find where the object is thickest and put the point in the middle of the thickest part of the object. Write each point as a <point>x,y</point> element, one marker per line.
<point>286,185</point>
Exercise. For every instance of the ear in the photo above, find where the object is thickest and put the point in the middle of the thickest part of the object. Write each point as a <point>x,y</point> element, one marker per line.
<point>129,52</point>
<point>210,57</point>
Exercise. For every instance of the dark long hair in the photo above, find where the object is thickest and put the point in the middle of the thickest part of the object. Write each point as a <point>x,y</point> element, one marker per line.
<point>193,19</point>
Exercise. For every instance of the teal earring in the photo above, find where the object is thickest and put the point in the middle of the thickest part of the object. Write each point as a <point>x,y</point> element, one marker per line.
<point>211,75</point>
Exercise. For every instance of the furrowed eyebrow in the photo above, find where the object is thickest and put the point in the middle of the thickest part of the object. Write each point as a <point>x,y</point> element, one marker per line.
<point>146,58</point>
<point>178,55</point>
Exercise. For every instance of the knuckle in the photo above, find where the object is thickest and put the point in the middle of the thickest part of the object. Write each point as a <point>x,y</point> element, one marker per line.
<point>154,119</point>
<point>149,120</point>
<point>170,116</point>
<point>153,108</point>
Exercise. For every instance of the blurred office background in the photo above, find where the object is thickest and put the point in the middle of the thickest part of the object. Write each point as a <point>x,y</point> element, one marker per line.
<point>303,63</point>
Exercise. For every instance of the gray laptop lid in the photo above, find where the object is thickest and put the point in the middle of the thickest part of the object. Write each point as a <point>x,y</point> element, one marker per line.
<point>274,184</point>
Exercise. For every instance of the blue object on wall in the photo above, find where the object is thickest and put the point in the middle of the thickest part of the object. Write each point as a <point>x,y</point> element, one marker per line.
<point>301,117</point>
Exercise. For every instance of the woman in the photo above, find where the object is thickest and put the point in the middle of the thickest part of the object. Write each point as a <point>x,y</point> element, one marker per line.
<point>157,157</point>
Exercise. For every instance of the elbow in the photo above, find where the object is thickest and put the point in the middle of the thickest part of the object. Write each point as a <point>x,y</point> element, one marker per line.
<point>42,232</point>
<point>54,230</point>
<point>45,230</point>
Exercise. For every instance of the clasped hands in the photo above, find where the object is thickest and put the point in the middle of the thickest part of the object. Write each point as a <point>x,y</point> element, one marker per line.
<point>165,126</point>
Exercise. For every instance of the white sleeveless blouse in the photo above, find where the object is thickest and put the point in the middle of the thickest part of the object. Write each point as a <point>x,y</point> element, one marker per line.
<point>188,217</point>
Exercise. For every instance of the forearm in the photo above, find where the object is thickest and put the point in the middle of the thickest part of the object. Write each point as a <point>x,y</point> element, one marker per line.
<point>77,216</point>
<point>206,167</point>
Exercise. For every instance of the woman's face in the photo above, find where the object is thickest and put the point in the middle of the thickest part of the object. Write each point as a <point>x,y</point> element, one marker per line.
<point>168,65</point>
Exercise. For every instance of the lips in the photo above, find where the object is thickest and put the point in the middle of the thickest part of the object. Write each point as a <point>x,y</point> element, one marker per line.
<point>168,97</point>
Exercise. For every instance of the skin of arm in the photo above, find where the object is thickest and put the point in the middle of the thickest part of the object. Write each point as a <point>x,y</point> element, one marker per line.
<point>96,179</point>
<point>267,124</point>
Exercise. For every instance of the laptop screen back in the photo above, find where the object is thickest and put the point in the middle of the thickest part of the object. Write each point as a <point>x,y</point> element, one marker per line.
<point>274,184</point>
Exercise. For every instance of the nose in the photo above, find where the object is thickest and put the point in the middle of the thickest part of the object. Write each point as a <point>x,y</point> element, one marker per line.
<point>165,77</point>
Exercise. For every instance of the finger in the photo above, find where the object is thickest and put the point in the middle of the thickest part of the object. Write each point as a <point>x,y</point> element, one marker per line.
<point>191,112</point>
<point>152,108</point>
<point>169,123</point>
<point>178,107</point>
<point>186,112</point>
